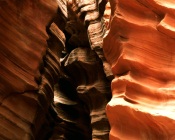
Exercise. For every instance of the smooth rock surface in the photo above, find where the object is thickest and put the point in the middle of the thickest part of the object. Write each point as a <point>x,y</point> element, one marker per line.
<point>139,46</point>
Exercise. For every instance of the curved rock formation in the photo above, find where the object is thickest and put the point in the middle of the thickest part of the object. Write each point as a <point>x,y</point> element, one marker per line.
<point>85,83</point>
<point>55,79</point>
<point>92,85</point>
<point>91,13</point>
<point>41,97</point>
<point>140,49</point>
<point>24,110</point>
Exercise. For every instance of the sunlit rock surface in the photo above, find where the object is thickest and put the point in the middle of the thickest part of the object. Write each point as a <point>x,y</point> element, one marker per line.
<point>91,13</point>
<point>55,79</point>
<point>139,46</point>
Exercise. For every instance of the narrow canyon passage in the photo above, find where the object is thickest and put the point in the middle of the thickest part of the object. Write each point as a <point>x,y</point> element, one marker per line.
<point>53,82</point>
<point>87,70</point>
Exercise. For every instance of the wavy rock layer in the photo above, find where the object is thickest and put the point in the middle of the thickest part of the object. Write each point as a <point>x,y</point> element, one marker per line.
<point>92,85</point>
<point>81,115</point>
<point>26,80</point>
<point>41,97</point>
<point>91,13</point>
<point>140,49</point>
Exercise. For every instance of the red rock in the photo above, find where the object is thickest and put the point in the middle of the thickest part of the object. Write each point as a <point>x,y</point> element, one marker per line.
<point>23,42</point>
<point>34,38</point>
<point>24,110</point>
<point>140,49</point>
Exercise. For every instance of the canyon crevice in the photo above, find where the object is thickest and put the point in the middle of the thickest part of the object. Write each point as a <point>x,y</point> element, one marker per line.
<point>87,69</point>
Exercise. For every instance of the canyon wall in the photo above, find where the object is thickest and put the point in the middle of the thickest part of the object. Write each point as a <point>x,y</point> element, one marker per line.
<point>139,46</point>
<point>57,61</point>
<point>25,91</point>
<point>54,79</point>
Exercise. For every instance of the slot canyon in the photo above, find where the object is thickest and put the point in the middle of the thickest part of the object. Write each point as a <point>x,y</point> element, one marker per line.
<point>87,70</point>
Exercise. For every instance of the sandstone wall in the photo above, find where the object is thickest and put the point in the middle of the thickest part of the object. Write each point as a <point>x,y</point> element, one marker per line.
<point>139,46</point>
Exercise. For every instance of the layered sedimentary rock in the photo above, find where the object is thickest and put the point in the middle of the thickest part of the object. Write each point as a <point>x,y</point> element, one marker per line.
<point>81,115</point>
<point>42,97</point>
<point>139,46</point>
<point>26,79</point>
<point>23,44</point>
<point>30,67</point>
<point>91,13</point>
<point>92,85</point>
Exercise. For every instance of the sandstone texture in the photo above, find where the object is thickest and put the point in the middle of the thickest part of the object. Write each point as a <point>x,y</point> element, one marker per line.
<point>24,97</point>
<point>54,79</point>
<point>87,69</point>
<point>139,46</point>
<point>83,90</point>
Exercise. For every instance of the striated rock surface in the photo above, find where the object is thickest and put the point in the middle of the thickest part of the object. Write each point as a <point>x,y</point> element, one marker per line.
<point>91,13</point>
<point>139,46</point>
<point>23,42</point>
<point>54,79</point>
<point>92,85</point>
<point>26,79</point>
<point>81,115</point>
